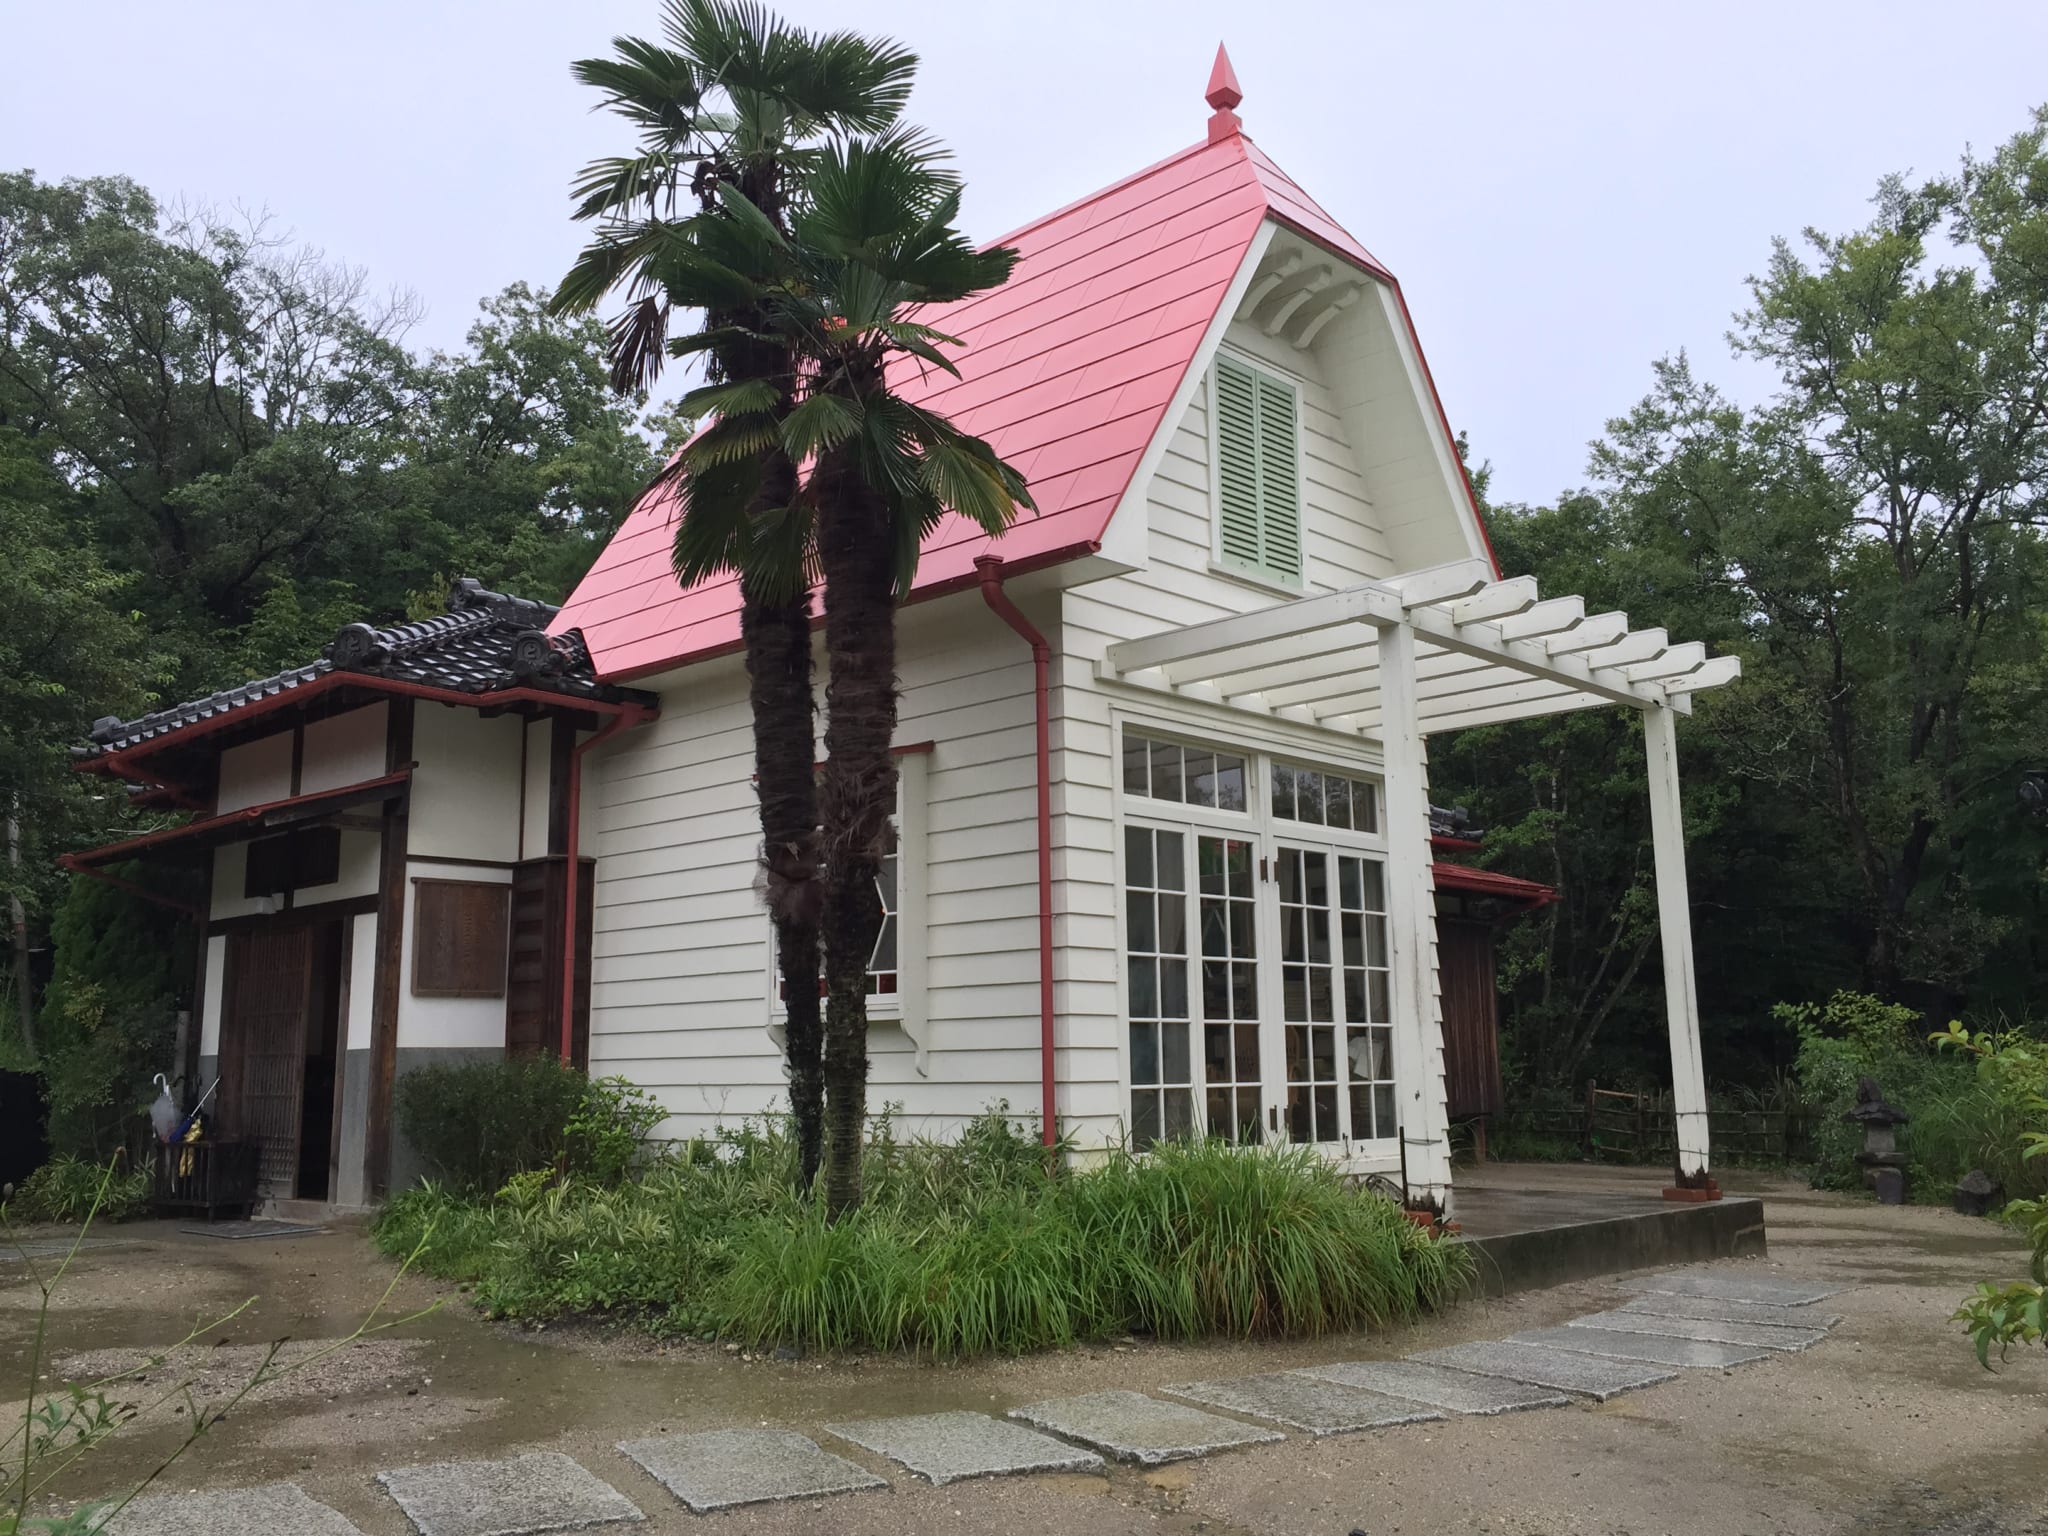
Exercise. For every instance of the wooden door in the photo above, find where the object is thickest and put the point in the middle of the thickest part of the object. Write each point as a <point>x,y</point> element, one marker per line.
<point>1471,1001</point>
<point>263,1046</point>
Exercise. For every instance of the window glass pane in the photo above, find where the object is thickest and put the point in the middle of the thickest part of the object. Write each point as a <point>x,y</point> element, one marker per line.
<point>1376,940</point>
<point>1138,856</point>
<point>1174,1063</point>
<point>1365,807</point>
<point>1172,873</point>
<point>1244,990</point>
<point>1201,777</point>
<point>1137,781</point>
<point>1375,886</point>
<point>1361,1114</point>
<point>1230,794</point>
<point>885,948</point>
<point>1209,861</point>
<point>1337,801</point>
<point>1140,911</point>
<point>1166,784</point>
<point>1216,1053</point>
<point>1308,796</point>
<point>1144,1118</point>
<point>1180,1114</point>
<point>1283,791</point>
<point>1144,1053</point>
<point>1144,987</point>
<point>1384,1121</point>
<point>1215,928</point>
<point>1382,1007</point>
<point>1240,862</point>
<point>1173,923</point>
<point>1215,989</point>
<point>1173,989</point>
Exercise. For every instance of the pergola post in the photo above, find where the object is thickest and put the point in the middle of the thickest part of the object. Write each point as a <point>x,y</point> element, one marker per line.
<point>1674,923</point>
<point>1411,917</point>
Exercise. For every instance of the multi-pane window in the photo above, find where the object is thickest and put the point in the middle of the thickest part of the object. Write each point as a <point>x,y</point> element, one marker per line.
<point>1325,799</point>
<point>1162,1058</point>
<point>1230,987</point>
<point>1258,493</point>
<point>1368,1001</point>
<point>1166,770</point>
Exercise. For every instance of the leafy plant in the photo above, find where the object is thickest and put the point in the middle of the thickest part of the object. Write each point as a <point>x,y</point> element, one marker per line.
<point>2014,1070</point>
<point>980,1245</point>
<point>604,1137</point>
<point>479,1125</point>
<point>68,1189</point>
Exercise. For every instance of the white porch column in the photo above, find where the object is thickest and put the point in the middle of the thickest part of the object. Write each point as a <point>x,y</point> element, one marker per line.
<point>1411,917</point>
<point>1674,923</point>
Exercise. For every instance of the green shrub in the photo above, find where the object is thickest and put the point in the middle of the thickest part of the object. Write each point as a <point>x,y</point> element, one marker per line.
<point>1851,1036</point>
<point>66,1188</point>
<point>479,1125</point>
<point>978,1246</point>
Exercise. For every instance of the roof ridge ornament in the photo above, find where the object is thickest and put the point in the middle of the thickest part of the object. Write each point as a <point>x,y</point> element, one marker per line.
<point>1223,95</point>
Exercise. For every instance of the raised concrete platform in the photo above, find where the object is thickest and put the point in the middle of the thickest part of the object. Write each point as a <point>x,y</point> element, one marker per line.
<point>1531,1225</point>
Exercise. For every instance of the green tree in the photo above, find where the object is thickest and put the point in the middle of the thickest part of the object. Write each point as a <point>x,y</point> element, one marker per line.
<point>70,650</point>
<point>875,240</point>
<point>733,109</point>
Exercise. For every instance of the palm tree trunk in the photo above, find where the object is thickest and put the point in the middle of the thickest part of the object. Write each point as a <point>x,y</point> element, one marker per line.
<point>857,796</point>
<point>778,652</point>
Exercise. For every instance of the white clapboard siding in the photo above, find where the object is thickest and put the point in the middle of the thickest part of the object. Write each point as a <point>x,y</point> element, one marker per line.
<point>681,984</point>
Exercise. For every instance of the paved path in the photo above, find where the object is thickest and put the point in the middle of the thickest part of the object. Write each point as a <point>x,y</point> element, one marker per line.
<point>1674,1322</point>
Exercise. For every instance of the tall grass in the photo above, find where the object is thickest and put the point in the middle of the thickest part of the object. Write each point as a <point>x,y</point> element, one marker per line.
<point>979,1247</point>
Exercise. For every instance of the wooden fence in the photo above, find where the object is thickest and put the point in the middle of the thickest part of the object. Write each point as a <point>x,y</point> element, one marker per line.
<point>1613,1126</point>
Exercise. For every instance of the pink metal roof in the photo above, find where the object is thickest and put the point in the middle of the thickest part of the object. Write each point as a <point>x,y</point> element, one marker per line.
<point>1067,370</point>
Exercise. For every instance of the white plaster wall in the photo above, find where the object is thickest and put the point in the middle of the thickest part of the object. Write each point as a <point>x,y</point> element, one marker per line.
<point>255,773</point>
<point>465,791</point>
<point>443,1021</point>
<point>344,749</point>
<point>362,976</point>
<point>210,1004</point>
<point>533,824</point>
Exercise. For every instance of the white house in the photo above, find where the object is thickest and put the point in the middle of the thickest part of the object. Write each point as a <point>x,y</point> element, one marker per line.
<point>1165,860</point>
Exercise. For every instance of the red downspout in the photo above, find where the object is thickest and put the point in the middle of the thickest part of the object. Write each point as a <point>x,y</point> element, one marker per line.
<point>629,715</point>
<point>991,572</point>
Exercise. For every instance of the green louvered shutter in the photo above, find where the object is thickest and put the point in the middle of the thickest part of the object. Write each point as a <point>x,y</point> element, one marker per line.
<point>1279,494</point>
<point>1258,497</point>
<point>1237,462</point>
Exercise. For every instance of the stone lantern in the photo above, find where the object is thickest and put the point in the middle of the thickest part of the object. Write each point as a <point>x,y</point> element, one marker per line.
<point>1884,1165</point>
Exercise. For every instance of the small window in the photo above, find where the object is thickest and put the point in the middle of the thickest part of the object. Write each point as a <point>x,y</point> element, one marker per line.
<point>1166,770</point>
<point>295,861</point>
<point>1258,477</point>
<point>461,933</point>
<point>1325,799</point>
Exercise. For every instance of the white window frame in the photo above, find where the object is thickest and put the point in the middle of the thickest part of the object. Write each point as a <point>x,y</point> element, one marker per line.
<point>1218,564</point>
<point>1266,832</point>
<point>907,1006</point>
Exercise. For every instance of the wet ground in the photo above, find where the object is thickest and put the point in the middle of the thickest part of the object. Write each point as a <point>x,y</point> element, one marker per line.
<point>1889,1428</point>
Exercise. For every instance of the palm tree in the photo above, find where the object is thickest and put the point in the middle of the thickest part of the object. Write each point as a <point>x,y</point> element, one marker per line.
<point>734,108</point>
<point>875,239</point>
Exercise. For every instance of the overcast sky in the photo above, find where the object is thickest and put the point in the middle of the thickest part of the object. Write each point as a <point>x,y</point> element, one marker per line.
<point>1566,190</point>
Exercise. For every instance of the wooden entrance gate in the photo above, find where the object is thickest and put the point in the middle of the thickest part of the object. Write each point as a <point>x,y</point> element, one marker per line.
<point>268,999</point>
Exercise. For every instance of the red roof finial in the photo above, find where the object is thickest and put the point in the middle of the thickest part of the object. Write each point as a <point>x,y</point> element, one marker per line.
<point>1223,95</point>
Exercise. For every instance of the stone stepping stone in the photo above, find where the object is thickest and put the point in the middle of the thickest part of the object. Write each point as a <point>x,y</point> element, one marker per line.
<point>1757,1335</point>
<point>1439,1386</point>
<point>1708,1309</point>
<point>1654,1348</point>
<point>943,1448</point>
<point>725,1468</point>
<point>1562,1370</point>
<point>1319,1405</point>
<point>277,1509</point>
<point>1134,1427</point>
<point>1779,1293</point>
<point>524,1496</point>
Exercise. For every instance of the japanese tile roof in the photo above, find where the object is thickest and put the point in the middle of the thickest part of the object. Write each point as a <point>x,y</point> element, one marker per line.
<point>486,642</point>
<point>1067,370</point>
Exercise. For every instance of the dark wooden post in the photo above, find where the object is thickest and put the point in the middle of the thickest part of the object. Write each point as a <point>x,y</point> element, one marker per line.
<point>1586,1136</point>
<point>390,957</point>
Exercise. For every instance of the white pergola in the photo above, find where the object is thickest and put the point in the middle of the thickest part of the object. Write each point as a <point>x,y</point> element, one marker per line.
<point>1398,661</point>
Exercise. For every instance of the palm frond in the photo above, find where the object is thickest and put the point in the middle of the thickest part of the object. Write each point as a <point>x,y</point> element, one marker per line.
<point>822,422</point>
<point>635,344</point>
<point>742,397</point>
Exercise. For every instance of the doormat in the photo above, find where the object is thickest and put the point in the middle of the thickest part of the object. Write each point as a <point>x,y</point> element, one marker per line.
<point>240,1229</point>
